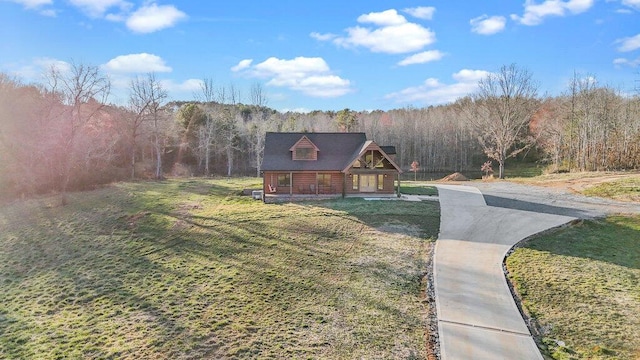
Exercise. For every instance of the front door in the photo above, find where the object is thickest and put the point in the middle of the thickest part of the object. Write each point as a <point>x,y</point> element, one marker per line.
<point>367,183</point>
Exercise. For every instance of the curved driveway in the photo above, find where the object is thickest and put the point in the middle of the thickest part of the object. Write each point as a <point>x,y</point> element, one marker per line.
<point>477,316</point>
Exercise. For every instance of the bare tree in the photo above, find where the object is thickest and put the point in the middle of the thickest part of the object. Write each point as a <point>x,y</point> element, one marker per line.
<point>139,102</point>
<point>501,112</point>
<point>83,90</point>
<point>258,96</point>
<point>227,126</point>
<point>258,128</point>
<point>207,132</point>
<point>146,96</point>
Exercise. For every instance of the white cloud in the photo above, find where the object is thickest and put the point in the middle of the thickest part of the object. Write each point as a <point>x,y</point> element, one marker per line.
<point>189,85</point>
<point>311,76</point>
<point>243,64</point>
<point>322,37</point>
<point>391,34</point>
<point>535,13</point>
<point>33,4</point>
<point>632,3</point>
<point>49,12</point>
<point>47,63</point>
<point>486,25</point>
<point>396,39</point>
<point>152,17</point>
<point>627,62</point>
<point>97,8</point>
<point>629,44</point>
<point>384,18</point>
<point>421,12</point>
<point>137,63</point>
<point>120,17</point>
<point>422,58</point>
<point>298,67</point>
<point>37,69</point>
<point>433,92</point>
<point>38,5</point>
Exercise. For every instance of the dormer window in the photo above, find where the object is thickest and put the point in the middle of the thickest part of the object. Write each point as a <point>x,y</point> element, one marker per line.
<point>304,153</point>
<point>304,149</point>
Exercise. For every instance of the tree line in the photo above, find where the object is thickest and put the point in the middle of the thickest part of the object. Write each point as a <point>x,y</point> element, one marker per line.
<point>63,134</point>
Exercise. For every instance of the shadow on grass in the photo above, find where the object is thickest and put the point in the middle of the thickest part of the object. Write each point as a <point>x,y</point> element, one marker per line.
<point>130,273</point>
<point>615,240</point>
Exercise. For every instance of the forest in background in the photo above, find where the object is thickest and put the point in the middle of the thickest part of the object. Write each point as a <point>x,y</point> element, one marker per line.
<point>63,134</point>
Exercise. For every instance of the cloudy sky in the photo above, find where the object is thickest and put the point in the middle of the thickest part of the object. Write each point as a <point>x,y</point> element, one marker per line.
<point>326,55</point>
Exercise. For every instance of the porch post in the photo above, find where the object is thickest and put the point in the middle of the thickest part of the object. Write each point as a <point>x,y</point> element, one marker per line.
<point>290,183</point>
<point>344,184</point>
<point>398,184</point>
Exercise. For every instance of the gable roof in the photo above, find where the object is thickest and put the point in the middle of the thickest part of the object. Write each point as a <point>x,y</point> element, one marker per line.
<point>335,151</point>
<point>304,139</point>
<point>368,146</point>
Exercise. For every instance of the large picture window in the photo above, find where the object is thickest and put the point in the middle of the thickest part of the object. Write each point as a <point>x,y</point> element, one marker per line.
<point>284,180</point>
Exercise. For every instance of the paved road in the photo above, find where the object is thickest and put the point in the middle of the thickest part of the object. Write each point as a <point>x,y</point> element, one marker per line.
<point>477,317</point>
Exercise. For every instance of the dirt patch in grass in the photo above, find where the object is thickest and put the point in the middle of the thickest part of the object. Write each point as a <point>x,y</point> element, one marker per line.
<point>188,269</point>
<point>580,287</point>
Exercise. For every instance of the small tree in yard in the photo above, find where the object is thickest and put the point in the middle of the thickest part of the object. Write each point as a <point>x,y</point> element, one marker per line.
<point>415,166</point>
<point>487,169</point>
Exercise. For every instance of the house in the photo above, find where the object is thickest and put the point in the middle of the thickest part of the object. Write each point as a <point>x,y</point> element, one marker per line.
<point>308,165</point>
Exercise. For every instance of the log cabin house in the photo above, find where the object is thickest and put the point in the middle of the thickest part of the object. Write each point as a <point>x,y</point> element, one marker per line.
<point>321,165</point>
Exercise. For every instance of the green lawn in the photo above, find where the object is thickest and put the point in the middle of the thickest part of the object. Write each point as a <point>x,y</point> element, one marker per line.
<point>581,285</point>
<point>189,269</point>
<point>417,188</point>
<point>518,169</point>
<point>624,189</point>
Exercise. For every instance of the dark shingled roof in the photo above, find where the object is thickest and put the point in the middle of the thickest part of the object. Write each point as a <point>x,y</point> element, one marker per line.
<point>389,150</point>
<point>336,150</point>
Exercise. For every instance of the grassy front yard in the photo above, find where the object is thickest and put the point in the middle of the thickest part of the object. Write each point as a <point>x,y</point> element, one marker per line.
<point>623,189</point>
<point>581,285</point>
<point>189,269</point>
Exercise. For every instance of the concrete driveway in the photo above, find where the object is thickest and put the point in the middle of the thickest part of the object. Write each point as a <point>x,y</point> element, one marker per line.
<point>477,316</point>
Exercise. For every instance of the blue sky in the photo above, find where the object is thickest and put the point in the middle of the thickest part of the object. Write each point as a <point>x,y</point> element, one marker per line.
<point>326,55</point>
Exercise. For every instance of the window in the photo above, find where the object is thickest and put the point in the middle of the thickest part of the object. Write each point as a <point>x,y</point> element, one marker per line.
<point>324,180</point>
<point>355,182</point>
<point>304,153</point>
<point>284,180</point>
<point>380,182</point>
